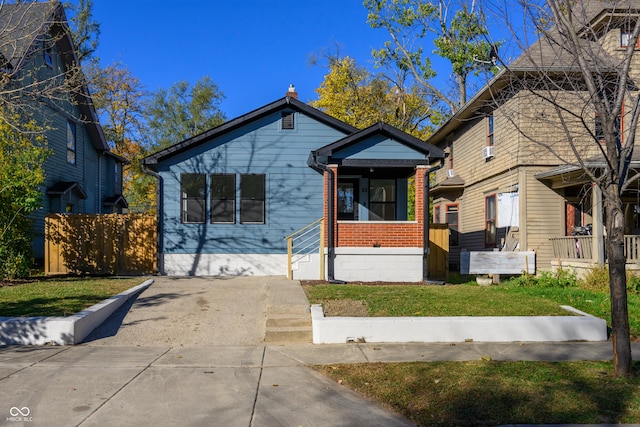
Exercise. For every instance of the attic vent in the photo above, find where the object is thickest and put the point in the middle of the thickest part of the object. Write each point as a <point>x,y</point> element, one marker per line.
<point>287,120</point>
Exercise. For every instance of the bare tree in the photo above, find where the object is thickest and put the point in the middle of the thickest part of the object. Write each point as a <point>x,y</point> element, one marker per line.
<point>579,101</point>
<point>38,62</point>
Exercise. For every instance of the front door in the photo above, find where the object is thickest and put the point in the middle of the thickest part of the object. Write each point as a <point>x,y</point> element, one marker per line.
<point>348,199</point>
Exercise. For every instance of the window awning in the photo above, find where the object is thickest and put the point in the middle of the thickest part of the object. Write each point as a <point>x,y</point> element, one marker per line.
<point>116,200</point>
<point>64,187</point>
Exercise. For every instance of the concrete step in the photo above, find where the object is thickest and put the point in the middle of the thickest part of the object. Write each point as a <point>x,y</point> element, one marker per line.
<point>289,335</point>
<point>293,310</point>
<point>287,322</point>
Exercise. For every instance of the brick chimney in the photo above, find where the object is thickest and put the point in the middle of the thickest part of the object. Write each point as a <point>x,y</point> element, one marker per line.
<point>291,93</point>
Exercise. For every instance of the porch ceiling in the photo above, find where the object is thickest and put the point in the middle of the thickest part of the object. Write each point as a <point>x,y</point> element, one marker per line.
<point>567,176</point>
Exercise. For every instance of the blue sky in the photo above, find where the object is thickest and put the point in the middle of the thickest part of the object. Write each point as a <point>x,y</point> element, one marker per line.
<point>253,49</point>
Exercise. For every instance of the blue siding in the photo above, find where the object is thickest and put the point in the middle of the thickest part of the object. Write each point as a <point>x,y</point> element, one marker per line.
<point>294,191</point>
<point>378,147</point>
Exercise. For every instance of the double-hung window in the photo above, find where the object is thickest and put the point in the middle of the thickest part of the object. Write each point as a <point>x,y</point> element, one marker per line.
<point>192,197</point>
<point>490,140</point>
<point>71,142</point>
<point>452,220</point>
<point>599,128</point>
<point>48,53</point>
<point>490,221</point>
<point>625,38</point>
<point>223,198</point>
<point>252,199</point>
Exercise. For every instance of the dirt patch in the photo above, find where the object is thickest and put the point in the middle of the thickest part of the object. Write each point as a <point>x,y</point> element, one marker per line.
<point>324,282</point>
<point>345,308</point>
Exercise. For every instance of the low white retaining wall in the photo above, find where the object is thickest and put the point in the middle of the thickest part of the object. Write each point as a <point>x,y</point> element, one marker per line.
<point>63,330</point>
<point>334,330</point>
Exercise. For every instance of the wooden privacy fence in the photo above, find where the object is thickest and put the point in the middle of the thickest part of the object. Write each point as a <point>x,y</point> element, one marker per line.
<point>438,251</point>
<point>113,244</point>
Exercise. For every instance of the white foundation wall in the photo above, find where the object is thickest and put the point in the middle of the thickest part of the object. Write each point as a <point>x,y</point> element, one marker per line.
<point>307,267</point>
<point>378,264</point>
<point>225,264</point>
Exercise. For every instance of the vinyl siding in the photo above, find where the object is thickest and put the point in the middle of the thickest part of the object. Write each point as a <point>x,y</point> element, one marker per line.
<point>294,191</point>
<point>90,169</point>
<point>544,217</point>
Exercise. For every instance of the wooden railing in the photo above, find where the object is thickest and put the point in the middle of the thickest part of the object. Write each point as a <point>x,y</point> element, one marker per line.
<point>304,242</point>
<point>580,247</point>
<point>572,247</point>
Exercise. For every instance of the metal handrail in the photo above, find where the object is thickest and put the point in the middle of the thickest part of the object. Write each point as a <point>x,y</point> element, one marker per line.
<point>307,239</point>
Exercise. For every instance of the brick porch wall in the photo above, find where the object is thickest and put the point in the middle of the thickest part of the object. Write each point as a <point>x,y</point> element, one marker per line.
<point>384,234</point>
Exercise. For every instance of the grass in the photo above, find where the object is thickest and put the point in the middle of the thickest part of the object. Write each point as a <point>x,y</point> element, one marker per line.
<point>510,298</point>
<point>430,300</point>
<point>485,393</point>
<point>58,297</point>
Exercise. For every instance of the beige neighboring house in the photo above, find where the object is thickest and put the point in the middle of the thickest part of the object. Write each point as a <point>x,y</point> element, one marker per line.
<point>500,190</point>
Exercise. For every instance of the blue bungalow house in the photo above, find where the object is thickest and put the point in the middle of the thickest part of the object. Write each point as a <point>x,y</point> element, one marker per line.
<point>229,196</point>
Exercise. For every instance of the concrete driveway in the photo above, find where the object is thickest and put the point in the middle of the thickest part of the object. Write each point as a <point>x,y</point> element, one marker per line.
<point>190,312</point>
<point>185,352</point>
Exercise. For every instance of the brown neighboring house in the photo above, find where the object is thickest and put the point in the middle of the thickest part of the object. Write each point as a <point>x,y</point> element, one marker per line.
<point>502,191</point>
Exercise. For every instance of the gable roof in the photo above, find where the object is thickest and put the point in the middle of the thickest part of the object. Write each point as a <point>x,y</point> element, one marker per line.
<point>22,27</point>
<point>428,150</point>
<point>280,104</point>
<point>548,56</point>
<point>22,24</point>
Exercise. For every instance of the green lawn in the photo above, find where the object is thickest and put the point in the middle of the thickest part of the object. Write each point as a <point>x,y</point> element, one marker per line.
<point>430,300</point>
<point>58,297</point>
<point>489,393</point>
<point>505,299</point>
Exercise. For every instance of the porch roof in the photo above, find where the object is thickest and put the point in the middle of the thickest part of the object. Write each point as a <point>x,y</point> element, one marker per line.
<point>454,183</point>
<point>572,174</point>
<point>352,151</point>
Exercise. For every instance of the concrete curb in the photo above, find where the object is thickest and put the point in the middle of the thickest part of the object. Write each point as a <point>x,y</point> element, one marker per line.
<point>63,330</point>
<point>336,330</point>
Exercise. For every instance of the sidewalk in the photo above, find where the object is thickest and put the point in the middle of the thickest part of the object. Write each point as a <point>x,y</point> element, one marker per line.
<point>222,385</point>
<point>188,352</point>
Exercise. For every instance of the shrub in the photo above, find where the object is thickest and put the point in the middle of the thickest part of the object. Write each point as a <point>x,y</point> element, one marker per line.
<point>597,279</point>
<point>633,284</point>
<point>21,175</point>
<point>547,279</point>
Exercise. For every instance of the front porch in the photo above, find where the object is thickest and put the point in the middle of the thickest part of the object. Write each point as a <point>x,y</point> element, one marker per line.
<point>579,253</point>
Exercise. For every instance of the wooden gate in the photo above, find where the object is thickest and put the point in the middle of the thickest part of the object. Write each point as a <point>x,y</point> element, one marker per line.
<point>113,244</point>
<point>438,251</point>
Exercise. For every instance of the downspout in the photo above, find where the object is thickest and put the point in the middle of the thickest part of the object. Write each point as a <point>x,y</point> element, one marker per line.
<point>159,258</point>
<point>425,221</point>
<point>330,230</point>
